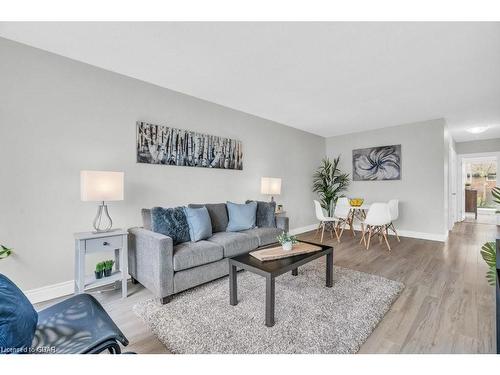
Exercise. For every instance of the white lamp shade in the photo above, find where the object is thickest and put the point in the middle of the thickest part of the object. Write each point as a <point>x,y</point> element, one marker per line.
<point>270,185</point>
<point>100,186</point>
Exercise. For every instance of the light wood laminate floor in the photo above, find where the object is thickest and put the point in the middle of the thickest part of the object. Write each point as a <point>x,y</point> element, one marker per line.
<point>446,307</point>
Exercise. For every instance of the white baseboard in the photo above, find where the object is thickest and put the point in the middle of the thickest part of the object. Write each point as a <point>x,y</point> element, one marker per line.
<point>65,288</point>
<point>419,235</point>
<point>48,292</point>
<point>307,228</point>
<point>402,233</point>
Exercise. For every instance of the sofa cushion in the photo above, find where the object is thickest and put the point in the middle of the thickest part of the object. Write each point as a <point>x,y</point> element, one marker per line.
<point>218,215</point>
<point>235,243</point>
<point>193,254</point>
<point>18,318</point>
<point>266,214</point>
<point>241,216</point>
<point>266,236</point>
<point>200,226</point>
<point>170,222</point>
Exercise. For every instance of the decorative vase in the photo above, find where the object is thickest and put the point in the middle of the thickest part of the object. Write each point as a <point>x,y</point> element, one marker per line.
<point>98,274</point>
<point>287,246</point>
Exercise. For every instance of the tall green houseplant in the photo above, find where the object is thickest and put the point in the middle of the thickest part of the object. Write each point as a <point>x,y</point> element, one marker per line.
<point>488,250</point>
<point>329,182</point>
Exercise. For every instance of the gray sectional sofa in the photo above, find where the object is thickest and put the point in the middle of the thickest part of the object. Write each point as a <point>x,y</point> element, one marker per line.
<point>166,269</point>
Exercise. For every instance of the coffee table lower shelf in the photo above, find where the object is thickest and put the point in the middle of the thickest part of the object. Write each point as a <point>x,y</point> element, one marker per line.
<point>271,269</point>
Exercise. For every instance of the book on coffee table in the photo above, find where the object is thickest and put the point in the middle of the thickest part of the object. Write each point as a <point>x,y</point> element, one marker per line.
<point>277,252</point>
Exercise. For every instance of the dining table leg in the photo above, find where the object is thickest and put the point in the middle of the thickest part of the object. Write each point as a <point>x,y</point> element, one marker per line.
<point>351,222</point>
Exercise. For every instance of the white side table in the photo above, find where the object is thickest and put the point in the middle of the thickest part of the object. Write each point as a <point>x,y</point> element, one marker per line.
<point>89,242</point>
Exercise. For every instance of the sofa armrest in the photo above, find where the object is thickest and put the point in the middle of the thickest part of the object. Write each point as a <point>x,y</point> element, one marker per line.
<point>282,222</point>
<point>150,259</point>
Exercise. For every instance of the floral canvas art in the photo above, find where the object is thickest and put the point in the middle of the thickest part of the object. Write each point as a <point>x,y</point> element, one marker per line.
<point>377,163</point>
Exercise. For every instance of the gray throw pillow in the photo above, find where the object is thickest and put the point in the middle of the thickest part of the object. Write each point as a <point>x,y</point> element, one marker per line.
<point>218,215</point>
<point>170,222</point>
<point>266,217</point>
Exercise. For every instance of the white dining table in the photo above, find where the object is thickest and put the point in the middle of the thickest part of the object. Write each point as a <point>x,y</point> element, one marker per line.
<point>357,212</point>
<point>363,207</point>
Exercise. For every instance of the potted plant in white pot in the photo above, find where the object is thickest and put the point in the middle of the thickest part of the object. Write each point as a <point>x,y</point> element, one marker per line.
<point>329,182</point>
<point>286,241</point>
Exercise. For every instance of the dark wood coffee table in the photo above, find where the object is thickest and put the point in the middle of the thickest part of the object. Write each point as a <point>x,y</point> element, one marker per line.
<point>272,268</point>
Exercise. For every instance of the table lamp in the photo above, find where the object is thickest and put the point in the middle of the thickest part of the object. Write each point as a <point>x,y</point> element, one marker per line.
<point>270,186</point>
<point>101,186</point>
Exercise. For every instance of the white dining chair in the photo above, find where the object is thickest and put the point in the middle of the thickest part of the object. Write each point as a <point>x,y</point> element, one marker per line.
<point>341,214</point>
<point>394,212</point>
<point>323,219</point>
<point>377,220</point>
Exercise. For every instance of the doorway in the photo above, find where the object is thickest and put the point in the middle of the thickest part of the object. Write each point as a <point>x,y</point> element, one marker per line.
<point>478,178</point>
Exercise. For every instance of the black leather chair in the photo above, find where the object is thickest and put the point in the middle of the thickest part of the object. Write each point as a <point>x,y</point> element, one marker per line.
<point>77,325</point>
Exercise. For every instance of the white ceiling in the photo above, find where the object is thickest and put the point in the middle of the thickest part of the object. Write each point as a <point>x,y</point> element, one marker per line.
<point>325,78</point>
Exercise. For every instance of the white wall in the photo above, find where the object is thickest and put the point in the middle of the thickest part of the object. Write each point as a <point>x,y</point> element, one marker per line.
<point>421,190</point>
<point>473,147</point>
<point>59,116</point>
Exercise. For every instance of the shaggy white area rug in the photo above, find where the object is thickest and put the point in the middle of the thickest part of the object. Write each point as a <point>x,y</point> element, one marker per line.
<point>310,318</point>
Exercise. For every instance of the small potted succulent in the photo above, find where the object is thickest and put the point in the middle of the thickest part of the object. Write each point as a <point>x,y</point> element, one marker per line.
<point>108,267</point>
<point>286,241</point>
<point>99,269</point>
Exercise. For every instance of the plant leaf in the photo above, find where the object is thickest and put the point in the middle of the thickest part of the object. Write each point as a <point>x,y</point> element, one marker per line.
<point>489,254</point>
<point>496,194</point>
<point>491,276</point>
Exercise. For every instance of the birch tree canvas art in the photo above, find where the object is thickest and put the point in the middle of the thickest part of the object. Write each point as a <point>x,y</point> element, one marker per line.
<point>160,144</point>
<point>377,163</point>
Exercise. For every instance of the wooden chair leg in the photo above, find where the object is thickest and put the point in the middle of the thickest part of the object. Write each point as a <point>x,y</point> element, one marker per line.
<point>394,230</point>
<point>384,233</point>
<point>322,231</point>
<point>370,229</point>
<point>336,233</point>
<point>362,234</point>
<point>317,230</point>
<point>343,227</point>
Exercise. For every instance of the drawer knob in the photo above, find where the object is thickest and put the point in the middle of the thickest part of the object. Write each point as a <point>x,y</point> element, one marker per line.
<point>105,243</point>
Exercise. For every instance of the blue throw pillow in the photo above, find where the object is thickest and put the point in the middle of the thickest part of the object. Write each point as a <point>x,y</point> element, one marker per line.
<point>241,216</point>
<point>170,222</point>
<point>18,318</point>
<point>200,226</point>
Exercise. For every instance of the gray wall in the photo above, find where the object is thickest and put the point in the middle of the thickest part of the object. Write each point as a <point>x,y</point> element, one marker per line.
<point>473,147</point>
<point>58,117</point>
<point>421,190</point>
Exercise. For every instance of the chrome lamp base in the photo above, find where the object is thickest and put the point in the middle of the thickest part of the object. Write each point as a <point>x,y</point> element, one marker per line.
<point>102,222</point>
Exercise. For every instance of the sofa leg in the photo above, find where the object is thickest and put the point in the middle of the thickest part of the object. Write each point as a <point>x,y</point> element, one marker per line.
<point>134,281</point>
<point>165,300</point>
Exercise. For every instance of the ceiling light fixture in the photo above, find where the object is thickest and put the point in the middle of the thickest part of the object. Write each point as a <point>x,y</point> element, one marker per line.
<point>478,129</point>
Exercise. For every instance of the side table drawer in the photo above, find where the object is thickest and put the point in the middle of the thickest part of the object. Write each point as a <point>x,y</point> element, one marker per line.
<point>105,243</point>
